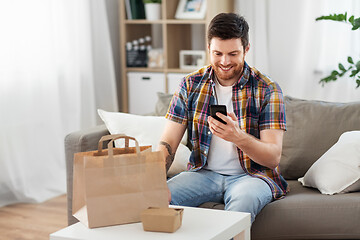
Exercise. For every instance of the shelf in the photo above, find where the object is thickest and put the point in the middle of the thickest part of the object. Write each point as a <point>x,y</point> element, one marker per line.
<point>168,21</point>
<point>179,70</point>
<point>169,34</point>
<point>136,69</point>
<point>187,21</point>
<point>162,70</point>
<point>143,21</point>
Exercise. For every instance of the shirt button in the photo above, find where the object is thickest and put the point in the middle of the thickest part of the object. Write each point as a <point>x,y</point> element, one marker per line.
<point>205,152</point>
<point>209,132</point>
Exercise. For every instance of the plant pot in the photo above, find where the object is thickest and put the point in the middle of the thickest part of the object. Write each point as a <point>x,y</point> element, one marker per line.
<point>153,11</point>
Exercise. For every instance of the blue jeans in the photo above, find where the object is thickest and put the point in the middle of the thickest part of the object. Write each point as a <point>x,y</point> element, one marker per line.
<point>241,193</point>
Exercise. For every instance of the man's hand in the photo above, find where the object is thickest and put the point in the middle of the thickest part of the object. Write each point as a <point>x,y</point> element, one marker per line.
<point>230,131</point>
<point>265,151</point>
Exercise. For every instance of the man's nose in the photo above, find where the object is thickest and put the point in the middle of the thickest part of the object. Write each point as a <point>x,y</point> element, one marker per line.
<point>225,60</point>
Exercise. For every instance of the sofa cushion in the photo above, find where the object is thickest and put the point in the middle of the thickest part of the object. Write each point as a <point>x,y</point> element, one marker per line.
<point>309,215</point>
<point>147,130</point>
<point>338,170</point>
<point>306,214</point>
<point>312,128</point>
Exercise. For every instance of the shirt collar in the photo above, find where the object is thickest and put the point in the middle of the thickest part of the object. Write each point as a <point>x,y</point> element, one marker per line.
<point>240,83</point>
<point>244,77</point>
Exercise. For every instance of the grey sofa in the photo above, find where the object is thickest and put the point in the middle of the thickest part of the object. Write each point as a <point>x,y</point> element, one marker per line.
<point>305,213</point>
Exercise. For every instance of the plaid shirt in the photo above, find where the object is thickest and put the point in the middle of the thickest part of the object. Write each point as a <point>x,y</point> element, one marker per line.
<point>258,104</point>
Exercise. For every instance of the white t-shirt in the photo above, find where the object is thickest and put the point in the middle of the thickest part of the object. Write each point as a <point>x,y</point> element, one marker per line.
<point>223,155</point>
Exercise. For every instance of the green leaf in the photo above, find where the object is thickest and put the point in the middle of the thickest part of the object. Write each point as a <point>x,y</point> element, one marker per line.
<point>327,79</point>
<point>353,67</point>
<point>341,67</point>
<point>356,23</point>
<point>331,78</point>
<point>357,65</point>
<point>333,17</point>
<point>350,60</point>
<point>334,73</point>
<point>354,72</point>
<point>351,19</point>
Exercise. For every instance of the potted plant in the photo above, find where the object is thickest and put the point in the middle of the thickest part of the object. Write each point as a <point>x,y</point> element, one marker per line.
<point>353,65</point>
<point>152,9</point>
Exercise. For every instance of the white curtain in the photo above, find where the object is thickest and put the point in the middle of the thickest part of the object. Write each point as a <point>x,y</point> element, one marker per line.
<point>296,51</point>
<point>56,69</point>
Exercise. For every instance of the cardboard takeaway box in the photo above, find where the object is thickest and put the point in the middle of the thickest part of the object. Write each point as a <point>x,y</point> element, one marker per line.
<point>162,219</point>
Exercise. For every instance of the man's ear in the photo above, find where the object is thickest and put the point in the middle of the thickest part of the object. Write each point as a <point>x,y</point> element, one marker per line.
<point>247,48</point>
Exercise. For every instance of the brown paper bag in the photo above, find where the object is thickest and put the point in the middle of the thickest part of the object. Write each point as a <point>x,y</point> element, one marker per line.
<point>114,186</point>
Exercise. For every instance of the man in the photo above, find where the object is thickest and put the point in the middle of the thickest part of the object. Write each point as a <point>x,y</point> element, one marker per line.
<point>235,163</point>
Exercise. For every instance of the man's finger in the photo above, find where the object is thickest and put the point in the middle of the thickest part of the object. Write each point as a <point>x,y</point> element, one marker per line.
<point>233,116</point>
<point>223,117</point>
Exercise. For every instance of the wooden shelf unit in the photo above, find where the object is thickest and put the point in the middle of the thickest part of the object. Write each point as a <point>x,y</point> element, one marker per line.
<point>176,35</point>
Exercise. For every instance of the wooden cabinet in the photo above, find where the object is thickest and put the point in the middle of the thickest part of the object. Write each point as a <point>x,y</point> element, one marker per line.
<point>170,34</point>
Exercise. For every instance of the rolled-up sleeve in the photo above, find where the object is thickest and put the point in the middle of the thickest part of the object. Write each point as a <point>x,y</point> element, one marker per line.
<point>272,114</point>
<point>178,111</point>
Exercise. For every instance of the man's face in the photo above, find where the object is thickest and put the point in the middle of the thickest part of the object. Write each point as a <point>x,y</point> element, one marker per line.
<point>227,59</point>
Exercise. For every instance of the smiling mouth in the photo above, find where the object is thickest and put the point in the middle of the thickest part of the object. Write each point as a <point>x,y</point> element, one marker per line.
<point>225,69</point>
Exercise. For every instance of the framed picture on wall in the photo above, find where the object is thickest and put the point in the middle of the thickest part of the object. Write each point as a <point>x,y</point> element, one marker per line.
<point>191,9</point>
<point>192,59</point>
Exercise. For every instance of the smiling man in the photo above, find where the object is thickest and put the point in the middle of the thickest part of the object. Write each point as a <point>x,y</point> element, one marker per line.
<point>236,162</point>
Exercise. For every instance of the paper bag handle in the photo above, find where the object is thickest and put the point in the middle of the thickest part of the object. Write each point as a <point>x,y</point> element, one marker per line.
<point>114,137</point>
<point>109,137</point>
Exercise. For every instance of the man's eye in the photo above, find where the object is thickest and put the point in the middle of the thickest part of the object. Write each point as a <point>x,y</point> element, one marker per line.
<point>217,54</point>
<point>233,54</point>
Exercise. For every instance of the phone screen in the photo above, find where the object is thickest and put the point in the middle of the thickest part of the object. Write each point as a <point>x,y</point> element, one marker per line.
<point>218,108</point>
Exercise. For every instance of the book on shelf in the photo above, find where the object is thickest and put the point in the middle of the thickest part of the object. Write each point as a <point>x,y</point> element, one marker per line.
<point>135,9</point>
<point>128,9</point>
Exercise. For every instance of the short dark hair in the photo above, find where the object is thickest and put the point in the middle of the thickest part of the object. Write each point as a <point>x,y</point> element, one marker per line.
<point>228,26</point>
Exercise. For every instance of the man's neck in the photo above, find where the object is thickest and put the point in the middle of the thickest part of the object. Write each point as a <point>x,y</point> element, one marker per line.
<point>229,82</point>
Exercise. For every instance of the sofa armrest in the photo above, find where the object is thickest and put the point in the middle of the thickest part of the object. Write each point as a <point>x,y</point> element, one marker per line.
<point>80,141</point>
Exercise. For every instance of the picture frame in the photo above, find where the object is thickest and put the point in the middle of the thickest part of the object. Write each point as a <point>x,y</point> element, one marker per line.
<point>191,9</point>
<point>192,59</point>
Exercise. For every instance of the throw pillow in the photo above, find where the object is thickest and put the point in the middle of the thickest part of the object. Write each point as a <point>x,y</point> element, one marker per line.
<point>147,130</point>
<point>162,103</point>
<point>312,128</point>
<point>181,159</point>
<point>338,170</point>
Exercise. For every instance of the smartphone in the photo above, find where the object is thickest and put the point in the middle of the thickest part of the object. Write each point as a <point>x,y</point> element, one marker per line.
<point>218,108</point>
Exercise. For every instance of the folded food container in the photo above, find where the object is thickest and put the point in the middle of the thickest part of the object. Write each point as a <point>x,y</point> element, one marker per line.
<point>162,219</point>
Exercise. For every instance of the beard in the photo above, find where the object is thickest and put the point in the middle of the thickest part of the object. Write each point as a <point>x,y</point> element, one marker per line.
<point>229,75</point>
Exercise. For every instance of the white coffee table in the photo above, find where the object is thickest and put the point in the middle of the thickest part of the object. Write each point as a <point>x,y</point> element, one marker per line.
<point>198,223</point>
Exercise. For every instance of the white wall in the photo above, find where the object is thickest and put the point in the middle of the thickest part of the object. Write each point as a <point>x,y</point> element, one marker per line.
<point>296,51</point>
<point>112,10</point>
